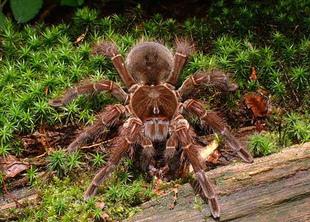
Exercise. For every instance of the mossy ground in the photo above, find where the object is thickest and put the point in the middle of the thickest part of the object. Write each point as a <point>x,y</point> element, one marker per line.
<point>38,62</point>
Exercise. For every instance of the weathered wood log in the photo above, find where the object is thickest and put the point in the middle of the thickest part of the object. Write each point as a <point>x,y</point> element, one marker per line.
<point>8,210</point>
<point>273,188</point>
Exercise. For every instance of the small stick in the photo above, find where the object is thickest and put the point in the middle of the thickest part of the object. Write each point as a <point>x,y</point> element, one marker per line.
<point>96,144</point>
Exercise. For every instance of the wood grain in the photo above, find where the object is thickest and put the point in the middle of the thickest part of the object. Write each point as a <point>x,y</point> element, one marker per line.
<point>273,188</point>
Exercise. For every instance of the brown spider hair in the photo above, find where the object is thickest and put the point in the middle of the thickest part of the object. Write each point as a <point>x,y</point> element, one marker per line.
<point>149,63</point>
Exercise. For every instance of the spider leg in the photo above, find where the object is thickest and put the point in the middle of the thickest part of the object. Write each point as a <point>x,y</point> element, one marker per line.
<point>171,146</point>
<point>213,77</point>
<point>191,152</point>
<point>105,119</point>
<point>148,149</point>
<point>105,85</point>
<point>122,143</point>
<point>148,152</point>
<point>213,120</point>
<point>109,49</point>
<point>183,49</point>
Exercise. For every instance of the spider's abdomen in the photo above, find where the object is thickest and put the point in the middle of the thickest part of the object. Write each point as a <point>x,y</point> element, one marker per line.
<point>150,63</point>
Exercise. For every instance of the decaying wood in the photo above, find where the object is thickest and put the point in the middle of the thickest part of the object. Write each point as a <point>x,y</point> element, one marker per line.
<point>274,188</point>
<point>8,210</point>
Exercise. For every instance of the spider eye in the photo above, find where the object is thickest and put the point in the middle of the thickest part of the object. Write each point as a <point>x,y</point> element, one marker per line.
<point>150,63</point>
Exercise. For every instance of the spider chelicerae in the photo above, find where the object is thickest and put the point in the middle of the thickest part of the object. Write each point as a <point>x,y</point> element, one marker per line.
<point>152,113</point>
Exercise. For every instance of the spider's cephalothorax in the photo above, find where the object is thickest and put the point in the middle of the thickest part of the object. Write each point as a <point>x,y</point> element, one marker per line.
<point>152,112</point>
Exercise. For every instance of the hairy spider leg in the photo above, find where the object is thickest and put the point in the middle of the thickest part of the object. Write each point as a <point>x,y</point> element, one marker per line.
<point>214,77</point>
<point>191,152</point>
<point>213,120</point>
<point>104,85</point>
<point>183,50</point>
<point>128,137</point>
<point>109,49</point>
<point>106,119</point>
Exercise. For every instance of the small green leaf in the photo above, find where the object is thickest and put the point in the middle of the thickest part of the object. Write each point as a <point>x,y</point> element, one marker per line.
<point>2,20</point>
<point>25,10</point>
<point>72,3</point>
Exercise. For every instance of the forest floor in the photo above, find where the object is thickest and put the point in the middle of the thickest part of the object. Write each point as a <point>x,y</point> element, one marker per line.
<point>266,49</point>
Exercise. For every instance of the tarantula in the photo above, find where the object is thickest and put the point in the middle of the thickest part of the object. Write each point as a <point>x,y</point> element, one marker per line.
<point>153,112</point>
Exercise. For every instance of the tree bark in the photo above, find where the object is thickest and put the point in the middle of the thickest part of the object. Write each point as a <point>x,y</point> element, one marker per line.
<point>273,188</point>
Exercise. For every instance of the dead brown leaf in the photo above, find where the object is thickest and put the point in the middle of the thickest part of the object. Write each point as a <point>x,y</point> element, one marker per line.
<point>257,103</point>
<point>11,166</point>
<point>100,205</point>
<point>260,126</point>
<point>214,157</point>
<point>253,75</point>
<point>80,38</point>
<point>209,149</point>
<point>46,90</point>
<point>157,187</point>
<point>105,217</point>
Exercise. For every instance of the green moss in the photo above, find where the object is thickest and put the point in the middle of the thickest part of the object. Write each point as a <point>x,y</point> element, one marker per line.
<point>39,62</point>
<point>39,65</point>
<point>297,127</point>
<point>61,200</point>
<point>263,144</point>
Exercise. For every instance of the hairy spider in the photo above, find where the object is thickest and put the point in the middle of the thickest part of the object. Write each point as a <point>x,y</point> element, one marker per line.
<point>152,113</point>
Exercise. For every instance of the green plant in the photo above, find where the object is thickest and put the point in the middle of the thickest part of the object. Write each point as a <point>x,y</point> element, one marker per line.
<point>98,159</point>
<point>85,16</point>
<point>71,112</point>
<point>300,77</point>
<point>277,86</point>
<point>73,161</point>
<point>59,206</point>
<point>125,196</point>
<point>57,161</point>
<point>17,148</point>
<point>297,127</point>
<point>4,150</point>
<point>64,163</point>
<point>6,133</point>
<point>32,174</point>
<point>25,10</point>
<point>263,144</point>
<point>61,201</point>
<point>42,110</point>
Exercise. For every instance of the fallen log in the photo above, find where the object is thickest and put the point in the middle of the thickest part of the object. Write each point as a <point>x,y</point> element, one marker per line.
<point>273,188</point>
<point>8,209</point>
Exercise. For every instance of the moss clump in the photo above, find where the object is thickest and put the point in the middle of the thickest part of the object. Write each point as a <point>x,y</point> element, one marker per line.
<point>263,144</point>
<point>297,127</point>
<point>126,189</point>
<point>62,200</point>
<point>63,163</point>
